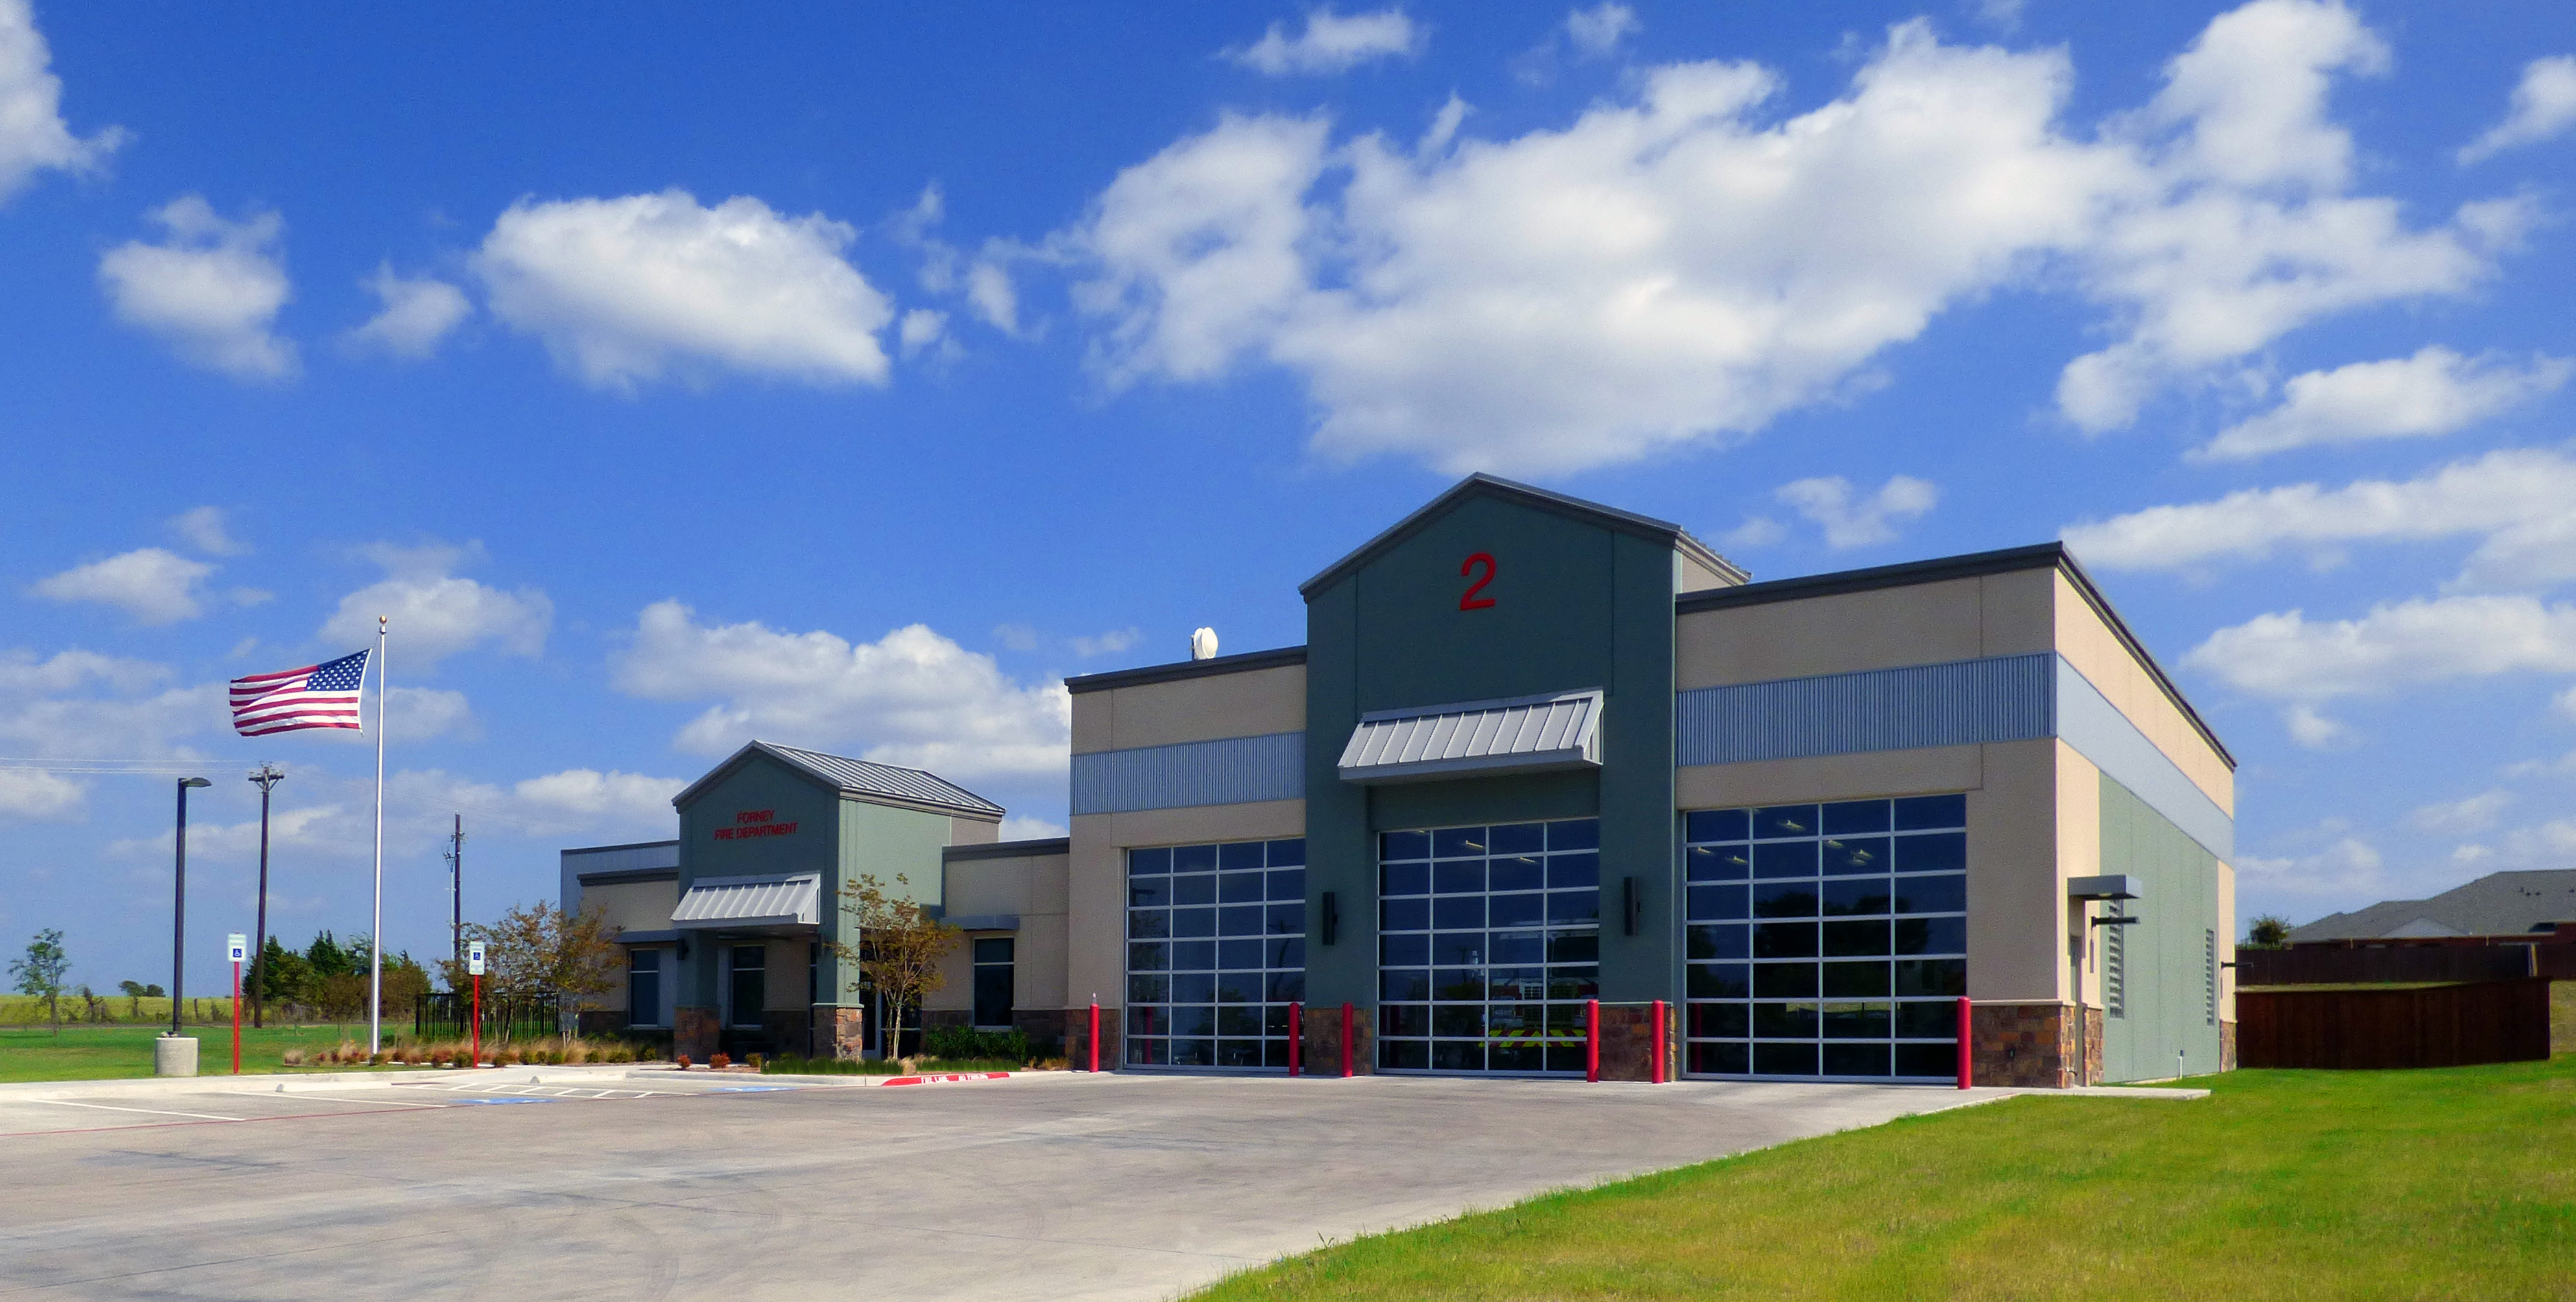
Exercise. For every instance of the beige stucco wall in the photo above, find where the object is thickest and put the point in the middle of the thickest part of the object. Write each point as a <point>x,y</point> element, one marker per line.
<point>635,906</point>
<point>1096,879</point>
<point>973,831</point>
<point>1926,623</point>
<point>1033,888</point>
<point>1689,575</point>
<point>1830,777</point>
<point>1252,703</point>
<point>2096,651</point>
<point>2079,853</point>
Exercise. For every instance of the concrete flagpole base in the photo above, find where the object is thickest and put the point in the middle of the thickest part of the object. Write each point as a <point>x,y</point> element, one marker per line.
<point>174,1055</point>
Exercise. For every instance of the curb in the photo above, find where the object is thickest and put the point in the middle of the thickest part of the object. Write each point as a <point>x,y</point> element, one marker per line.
<point>303,1082</point>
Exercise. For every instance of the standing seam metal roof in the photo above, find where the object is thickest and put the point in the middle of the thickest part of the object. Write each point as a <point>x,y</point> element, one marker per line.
<point>1557,730</point>
<point>860,777</point>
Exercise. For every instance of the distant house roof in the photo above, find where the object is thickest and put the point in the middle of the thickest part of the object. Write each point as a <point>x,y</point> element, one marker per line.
<point>2498,904</point>
<point>855,777</point>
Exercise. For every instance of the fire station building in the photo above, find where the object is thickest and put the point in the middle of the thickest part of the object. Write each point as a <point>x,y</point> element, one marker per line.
<point>1535,754</point>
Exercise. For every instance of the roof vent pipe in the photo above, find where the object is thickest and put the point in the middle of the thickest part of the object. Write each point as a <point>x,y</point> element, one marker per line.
<point>1203,644</point>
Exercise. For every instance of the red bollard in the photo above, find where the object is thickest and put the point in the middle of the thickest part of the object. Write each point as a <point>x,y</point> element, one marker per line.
<point>237,1017</point>
<point>1095,1037</point>
<point>1591,1039</point>
<point>475,1058</point>
<point>1659,1042</point>
<point>1346,1039</point>
<point>1296,1038</point>
<point>1966,1075</point>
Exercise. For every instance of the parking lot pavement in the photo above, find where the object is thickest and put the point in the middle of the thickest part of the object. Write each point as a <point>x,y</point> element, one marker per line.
<point>652,1186</point>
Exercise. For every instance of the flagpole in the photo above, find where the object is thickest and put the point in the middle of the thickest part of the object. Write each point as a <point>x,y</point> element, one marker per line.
<point>376,937</point>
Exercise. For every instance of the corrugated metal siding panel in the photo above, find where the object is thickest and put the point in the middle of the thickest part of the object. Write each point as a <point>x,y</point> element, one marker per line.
<point>2004,698</point>
<point>661,854</point>
<point>1229,771</point>
<point>888,780</point>
<point>1526,729</point>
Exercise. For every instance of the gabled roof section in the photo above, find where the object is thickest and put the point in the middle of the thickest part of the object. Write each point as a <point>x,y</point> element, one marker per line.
<point>881,783</point>
<point>2498,904</point>
<point>1572,508</point>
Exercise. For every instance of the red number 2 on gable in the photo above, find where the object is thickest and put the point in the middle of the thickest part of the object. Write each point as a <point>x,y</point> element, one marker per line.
<point>1468,600</point>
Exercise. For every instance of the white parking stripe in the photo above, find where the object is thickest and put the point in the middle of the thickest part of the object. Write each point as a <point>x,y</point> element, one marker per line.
<point>110,1107</point>
<point>388,1103</point>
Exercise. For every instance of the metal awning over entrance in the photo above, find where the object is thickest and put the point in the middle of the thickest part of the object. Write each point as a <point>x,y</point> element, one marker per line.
<point>773,900</point>
<point>1528,734</point>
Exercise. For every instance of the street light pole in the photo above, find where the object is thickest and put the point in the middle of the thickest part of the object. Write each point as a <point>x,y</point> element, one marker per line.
<point>179,909</point>
<point>268,776</point>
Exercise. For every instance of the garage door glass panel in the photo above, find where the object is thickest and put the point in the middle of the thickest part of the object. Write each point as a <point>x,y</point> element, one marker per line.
<point>1216,993</point>
<point>1490,939</point>
<point>1826,941</point>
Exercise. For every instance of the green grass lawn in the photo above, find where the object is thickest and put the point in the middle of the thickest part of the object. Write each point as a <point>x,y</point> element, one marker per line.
<point>103,1052</point>
<point>24,1010</point>
<point>2283,1184</point>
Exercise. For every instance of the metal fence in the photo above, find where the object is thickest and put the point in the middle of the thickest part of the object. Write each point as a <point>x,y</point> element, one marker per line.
<point>505,1018</point>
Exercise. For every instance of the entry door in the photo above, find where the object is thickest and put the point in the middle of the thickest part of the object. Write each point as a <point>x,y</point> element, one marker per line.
<point>746,984</point>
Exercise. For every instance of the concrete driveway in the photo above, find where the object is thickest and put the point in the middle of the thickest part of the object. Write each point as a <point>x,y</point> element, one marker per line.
<point>657,1186</point>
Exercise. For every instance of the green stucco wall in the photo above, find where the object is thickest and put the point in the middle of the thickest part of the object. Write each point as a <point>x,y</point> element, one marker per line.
<point>1576,605</point>
<point>2166,951</point>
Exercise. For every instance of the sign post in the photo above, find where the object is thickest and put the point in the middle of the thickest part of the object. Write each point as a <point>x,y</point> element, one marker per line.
<point>236,946</point>
<point>474,968</point>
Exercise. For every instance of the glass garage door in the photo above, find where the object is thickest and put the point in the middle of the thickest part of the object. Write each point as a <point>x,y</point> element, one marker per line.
<point>1216,951</point>
<point>1489,941</point>
<point>1827,940</point>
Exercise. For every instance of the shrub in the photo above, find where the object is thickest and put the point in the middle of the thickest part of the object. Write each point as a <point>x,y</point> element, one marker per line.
<point>965,1042</point>
<point>683,1060</point>
<point>720,1061</point>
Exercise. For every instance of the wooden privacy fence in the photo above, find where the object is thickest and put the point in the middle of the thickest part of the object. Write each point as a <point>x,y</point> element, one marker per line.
<point>2322,966</point>
<point>2429,1026</point>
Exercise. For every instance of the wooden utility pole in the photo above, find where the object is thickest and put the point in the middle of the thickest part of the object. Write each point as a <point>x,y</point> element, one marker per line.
<point>456,887</point>
<point>269,775</point>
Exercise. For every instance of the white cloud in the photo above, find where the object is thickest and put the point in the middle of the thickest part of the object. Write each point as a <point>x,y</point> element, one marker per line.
<point>434,614</point>
<point>420,713</point>
<point>2565,703</point>
<point>1109,643</point>
<point>2542,845</point>
<point>1850,522</point>
<point>1684,264</point>
<point>2436,391</point>
<point>418,314</point>
<point>1016,827</point>
<point>2416,641</point>
<point>33,135</point>
<point>591,794</point>
<point>628,290</point>
<point>1597,31</point>
<point>205,528</point>
<point>211,291</point>
<point>2242,228</point>
<point>1756,531</point>
<point>2313,730</point>
<point>37,796</point>
<point>2470,814</point>
<point>1331,43</point>
<point>320,813</point>
<point>2522,503</point>
<point>2348,867</point>
<point>912,697</point>
<point>152,584</point>
<point>921,328</point>
<point>83,704</point>
<point>2544,104</point>
<point>988,289</point>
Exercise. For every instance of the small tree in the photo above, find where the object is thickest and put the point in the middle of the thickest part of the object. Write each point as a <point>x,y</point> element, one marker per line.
<point>40,973</point>
<point>541,950</point>
<point>2269,931</point>
<point>898,951</point>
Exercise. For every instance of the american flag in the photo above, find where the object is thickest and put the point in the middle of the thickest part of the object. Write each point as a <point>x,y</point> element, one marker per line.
<point>315,696</point>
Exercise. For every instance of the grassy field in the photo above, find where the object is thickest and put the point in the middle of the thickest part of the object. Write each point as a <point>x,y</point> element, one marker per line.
<point>20,1010</point>
<point>2562,1017</point>
<point>104,1052</point>
<point>2283,1184</point>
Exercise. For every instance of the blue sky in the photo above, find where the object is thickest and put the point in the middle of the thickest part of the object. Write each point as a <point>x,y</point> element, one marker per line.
<point>848,376</point>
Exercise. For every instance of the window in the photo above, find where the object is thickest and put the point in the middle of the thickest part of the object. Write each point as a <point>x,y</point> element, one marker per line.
<point>1827,939</point>
<point>1216,952</point>
<point>748,983</point>
<point>993,981</point>
<point>1489,942</point>
<point>643,987</point>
